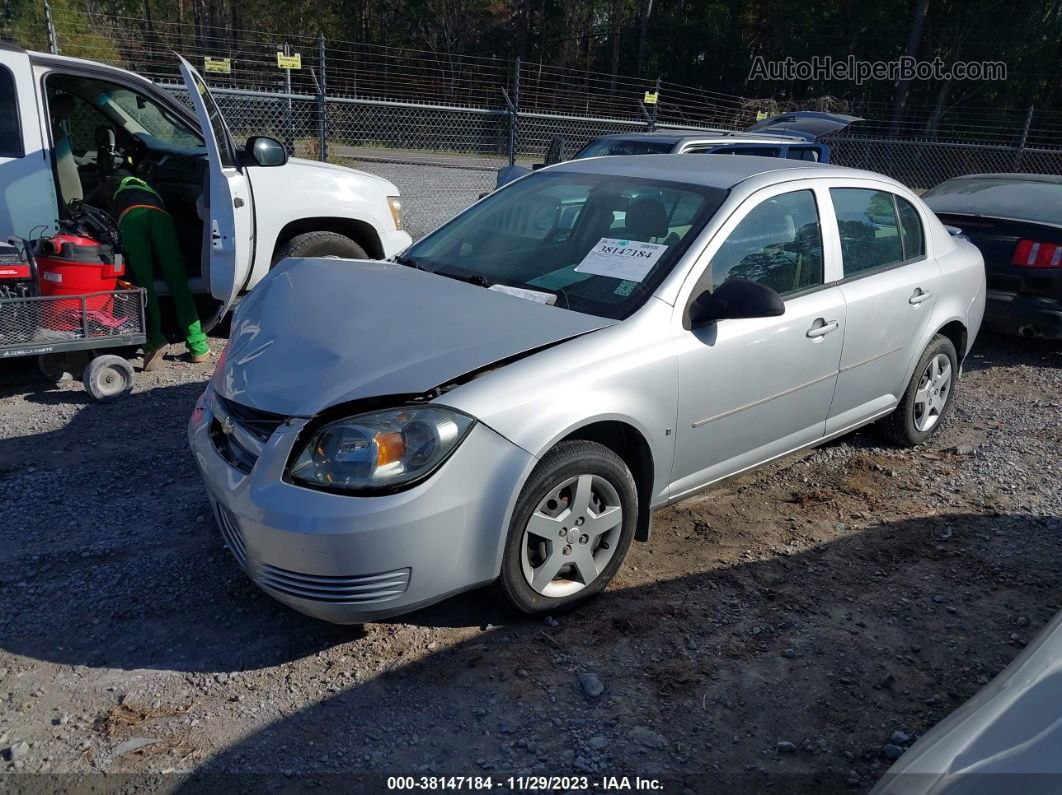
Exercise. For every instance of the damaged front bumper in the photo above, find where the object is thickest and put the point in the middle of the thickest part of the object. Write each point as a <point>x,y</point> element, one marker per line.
<point>348,559</point>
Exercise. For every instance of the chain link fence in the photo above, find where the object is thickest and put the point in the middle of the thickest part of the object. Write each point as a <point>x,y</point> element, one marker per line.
<point>443,158</point>
<point>922,164</point>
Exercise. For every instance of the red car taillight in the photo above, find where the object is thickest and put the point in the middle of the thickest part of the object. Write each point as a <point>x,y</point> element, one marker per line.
<point>1030,254</point>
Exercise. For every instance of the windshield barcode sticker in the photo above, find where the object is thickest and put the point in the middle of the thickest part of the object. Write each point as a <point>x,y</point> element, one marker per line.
<point>621,259</point>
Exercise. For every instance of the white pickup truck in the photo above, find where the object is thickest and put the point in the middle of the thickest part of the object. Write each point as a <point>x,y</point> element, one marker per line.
<point>65,123</point>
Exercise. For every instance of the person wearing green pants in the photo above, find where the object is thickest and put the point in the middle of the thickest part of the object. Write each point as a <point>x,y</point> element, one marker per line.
<point>149,238</point>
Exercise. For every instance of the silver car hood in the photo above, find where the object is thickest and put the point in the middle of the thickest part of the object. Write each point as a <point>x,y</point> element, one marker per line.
<point>318,332</point>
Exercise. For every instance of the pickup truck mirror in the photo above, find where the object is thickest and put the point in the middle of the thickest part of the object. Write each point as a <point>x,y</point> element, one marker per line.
<point>736,298</point>
<point>266,151</point>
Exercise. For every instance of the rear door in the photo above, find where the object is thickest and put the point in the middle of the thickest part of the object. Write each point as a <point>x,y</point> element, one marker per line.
<point>27,188</point>
<point>228,213</point>
<point>890,287</point>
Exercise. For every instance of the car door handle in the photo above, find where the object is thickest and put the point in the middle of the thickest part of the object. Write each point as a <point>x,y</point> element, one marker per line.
<point>822,327</point>
<point>918,296</point>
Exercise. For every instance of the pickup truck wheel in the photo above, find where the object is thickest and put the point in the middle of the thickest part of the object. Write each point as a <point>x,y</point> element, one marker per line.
<point>320,244</point>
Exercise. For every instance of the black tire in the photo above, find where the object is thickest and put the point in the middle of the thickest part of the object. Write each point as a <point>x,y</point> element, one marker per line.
<point>58,368</point>
<point>109,378</point>
<point>899,427</point>
<point>566,460</point>
<point>320,244</point>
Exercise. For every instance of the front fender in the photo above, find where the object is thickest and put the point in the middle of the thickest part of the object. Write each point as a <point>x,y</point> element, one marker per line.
<point>621,373</point>
<point>306,189</point>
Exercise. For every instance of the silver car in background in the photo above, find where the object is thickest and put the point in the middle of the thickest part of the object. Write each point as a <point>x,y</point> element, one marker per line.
<point>514,396</point>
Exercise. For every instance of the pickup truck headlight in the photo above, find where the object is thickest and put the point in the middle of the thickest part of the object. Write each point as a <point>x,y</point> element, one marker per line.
<point>379,451</point>
<point>395,203</point>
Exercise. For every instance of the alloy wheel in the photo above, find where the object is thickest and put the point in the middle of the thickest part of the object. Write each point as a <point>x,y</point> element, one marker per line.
<point>571,535</point>
<point>932,394</point>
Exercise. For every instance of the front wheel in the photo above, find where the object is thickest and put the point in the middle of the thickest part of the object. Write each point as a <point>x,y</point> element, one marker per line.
<point>320,244</point>
<point>927,400</point>
<point>571,529</point>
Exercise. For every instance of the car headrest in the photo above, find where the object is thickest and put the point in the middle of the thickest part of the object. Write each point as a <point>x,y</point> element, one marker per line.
<point>646,217</point>
<point>61,107</point>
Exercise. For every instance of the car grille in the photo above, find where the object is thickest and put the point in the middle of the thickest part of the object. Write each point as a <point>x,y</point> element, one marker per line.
<point>239,432</point>
<point>260,423</point>
<point>335,590</point>
<point>231,533</point>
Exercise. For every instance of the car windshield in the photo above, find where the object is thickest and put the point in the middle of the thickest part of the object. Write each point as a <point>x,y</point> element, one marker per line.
<point>1026,200</point>
<point>592,243</point>
<point>612,146</point>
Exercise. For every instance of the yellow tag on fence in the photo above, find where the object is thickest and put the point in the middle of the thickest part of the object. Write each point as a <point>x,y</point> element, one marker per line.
<point>221,66</point>
<point>289,61</point>
<point>650,97</point>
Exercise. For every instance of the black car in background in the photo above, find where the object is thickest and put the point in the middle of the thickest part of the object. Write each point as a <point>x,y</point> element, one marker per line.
<point>1016,221</point>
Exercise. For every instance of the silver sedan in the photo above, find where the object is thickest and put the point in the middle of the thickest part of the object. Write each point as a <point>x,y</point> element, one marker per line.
<point>513,397</point>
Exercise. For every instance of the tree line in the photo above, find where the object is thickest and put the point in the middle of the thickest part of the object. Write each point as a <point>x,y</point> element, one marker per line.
<point>711,44</point>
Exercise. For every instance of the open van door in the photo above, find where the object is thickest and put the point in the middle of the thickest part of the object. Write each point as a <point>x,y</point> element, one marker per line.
<point>228,213</point>
<point>806,124</point>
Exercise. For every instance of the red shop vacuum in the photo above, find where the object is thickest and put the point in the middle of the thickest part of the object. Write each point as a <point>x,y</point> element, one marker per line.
<point>82,260</point>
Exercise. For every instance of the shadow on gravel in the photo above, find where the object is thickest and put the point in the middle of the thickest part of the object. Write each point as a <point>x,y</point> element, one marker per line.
<point>1004,350</point>
<point>704,675</point>
<point>109,556</point>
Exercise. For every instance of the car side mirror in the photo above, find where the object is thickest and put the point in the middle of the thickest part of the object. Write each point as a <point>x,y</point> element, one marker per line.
<point>266,151</point>
<point>733,299</point>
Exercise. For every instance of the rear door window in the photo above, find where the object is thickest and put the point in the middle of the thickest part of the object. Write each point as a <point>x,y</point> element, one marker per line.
<point>870,230</point>
<point>10,134</point>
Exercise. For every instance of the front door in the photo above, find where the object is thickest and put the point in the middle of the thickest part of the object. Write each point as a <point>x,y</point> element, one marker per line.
<point>28,199</point>
<point>753,389</point>
<point>890,288</point>
<point>228,213</point>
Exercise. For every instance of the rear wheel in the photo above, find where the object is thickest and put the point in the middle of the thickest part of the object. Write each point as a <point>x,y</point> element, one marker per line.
<point>927,400</point>
<point>571,529</point>
<point>59,368</point>
<point>320,244</point>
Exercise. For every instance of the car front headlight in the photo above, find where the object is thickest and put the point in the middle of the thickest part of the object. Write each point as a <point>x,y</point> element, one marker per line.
<point>379,451</point>
<point>395,203</point>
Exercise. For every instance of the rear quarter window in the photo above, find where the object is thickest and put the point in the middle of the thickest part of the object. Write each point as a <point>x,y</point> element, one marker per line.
<point>10,132</point>
<point>911,232</point>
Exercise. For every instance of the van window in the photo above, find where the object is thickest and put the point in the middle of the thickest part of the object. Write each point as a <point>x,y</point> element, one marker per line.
<point>10,134</point>
<point>870,231</point>
<point>810,153</point>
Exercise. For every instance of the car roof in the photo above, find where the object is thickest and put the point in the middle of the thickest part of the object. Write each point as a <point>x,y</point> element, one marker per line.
<point>48,59</point>
<point>714,171</point>
<point>707,136</point>
<point>1012,177</point>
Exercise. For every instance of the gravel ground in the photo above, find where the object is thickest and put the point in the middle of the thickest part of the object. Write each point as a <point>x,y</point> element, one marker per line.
<point>781,630</point>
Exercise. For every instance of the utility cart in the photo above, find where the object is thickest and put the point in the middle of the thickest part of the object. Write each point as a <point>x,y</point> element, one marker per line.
<point>52,307</point>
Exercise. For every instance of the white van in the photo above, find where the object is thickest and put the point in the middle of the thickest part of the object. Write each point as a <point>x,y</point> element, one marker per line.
<point>66,122</point>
